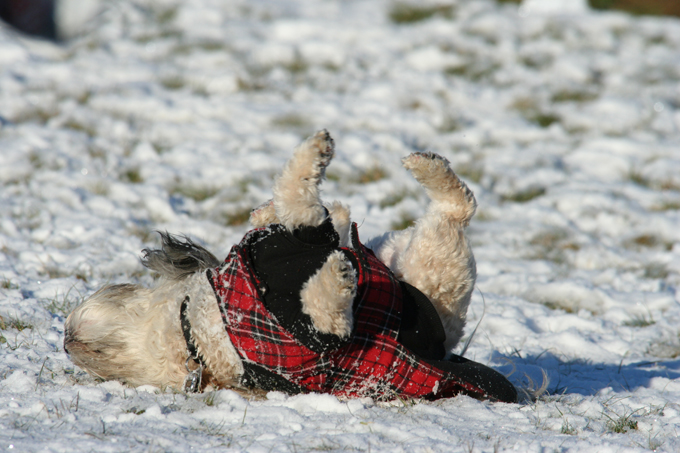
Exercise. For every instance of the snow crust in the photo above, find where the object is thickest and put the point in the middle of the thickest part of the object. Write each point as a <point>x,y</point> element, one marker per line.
<point>167,115</point>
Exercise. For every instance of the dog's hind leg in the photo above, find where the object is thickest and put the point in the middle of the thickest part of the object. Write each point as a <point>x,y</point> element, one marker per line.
<point>434,254</point>
<point>296,191</point>
<point>328,295</point>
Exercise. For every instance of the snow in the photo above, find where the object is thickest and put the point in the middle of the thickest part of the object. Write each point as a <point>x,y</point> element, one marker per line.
<point>177,115</point>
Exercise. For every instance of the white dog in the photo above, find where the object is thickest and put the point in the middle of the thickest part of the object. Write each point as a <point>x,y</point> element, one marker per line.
<point>300,304</point>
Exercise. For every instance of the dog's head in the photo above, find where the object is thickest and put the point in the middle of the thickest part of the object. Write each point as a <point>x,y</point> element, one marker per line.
<point>127,333</point>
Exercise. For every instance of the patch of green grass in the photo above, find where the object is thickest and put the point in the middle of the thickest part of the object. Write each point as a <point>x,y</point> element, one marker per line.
<point>544,119</point>
<point>251,83</point>
<point>393,199</point>
<point>368,175</point>
<point>10,323</point>
<point>622,423</point>
<point>574,95</point>
<point>639,7</point>
<point>667,348</point>
<point>7,284</point>
<point>567,428</point>
<point>525,195</point>
<point>531,111</point>
<point>135,410</point>
<point>237,217</point>
<point>408,13</point>
<point>213,429</point>
<point>89,129</point>
<point>166,15</point>
<point>473,171</point>
<point>551,245</point>
<point>640,320</point>
<point>450,124</point>
<point>371,174</point>
<point>142,231</point>
<point>63,305</point>
<point>668,205</point>
<point>40,114</point>
<point>185,48</point>
<point>195,192</point>
<point>474,70</point>
<point>132,175</point>
<point>14,323</point>
<point>549,238</point>
<point>98,187</point>
<point>297,66</point>
<point>655,271</point>
<point>638,179</point>
<point>173,83</point>
<point>657,184</point>
<point>559,305</point>
<point>405,221</point>
<point>210,399</point>
<point>648,241</point>
<point>291,121</point>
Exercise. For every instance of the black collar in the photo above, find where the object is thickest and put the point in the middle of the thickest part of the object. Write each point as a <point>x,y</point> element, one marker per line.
<point>186,329</point>
<point>192,382</point>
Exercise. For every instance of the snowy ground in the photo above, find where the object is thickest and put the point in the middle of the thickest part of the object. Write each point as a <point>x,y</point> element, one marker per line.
<point>176,115</point>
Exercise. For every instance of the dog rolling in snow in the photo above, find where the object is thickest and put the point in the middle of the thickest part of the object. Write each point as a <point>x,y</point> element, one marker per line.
<point>300,304</point>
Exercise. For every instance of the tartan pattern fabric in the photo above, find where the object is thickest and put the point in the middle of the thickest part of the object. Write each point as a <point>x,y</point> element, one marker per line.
<point>371,364</point>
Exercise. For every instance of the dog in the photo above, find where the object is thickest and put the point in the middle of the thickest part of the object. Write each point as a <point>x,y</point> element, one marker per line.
<point>301,305</point>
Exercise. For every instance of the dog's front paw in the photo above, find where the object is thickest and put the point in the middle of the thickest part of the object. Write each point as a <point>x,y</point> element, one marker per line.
<point>328,295</point>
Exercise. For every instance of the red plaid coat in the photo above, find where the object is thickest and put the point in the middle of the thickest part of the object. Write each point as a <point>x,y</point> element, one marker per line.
<point>371,363</point>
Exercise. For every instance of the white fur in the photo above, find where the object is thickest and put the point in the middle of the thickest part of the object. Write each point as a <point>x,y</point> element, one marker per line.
<point>434,254</point>
<point>209,335</point>
<point>328,295</point>
<point>133,334</point>
<point>296,191</point>
<point>128,333</point>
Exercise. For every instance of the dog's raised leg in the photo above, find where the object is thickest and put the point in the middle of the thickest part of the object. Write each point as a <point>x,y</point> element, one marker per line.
<point>434,254</point>
<point>296,191</point>
<point>328,295</point>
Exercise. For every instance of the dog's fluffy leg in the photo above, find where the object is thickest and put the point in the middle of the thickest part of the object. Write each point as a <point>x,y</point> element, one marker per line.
<point>328,295</point>
<point>296,191</point>
<point>434,255</point>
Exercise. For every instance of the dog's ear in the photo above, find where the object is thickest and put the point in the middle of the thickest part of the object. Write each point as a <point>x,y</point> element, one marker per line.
<point>178,258</point>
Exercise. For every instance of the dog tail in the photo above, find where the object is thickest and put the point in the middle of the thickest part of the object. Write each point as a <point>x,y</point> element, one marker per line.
<point>178,258</point>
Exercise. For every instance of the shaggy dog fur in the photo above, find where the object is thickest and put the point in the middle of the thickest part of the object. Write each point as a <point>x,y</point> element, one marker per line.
<point>133,334</point>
